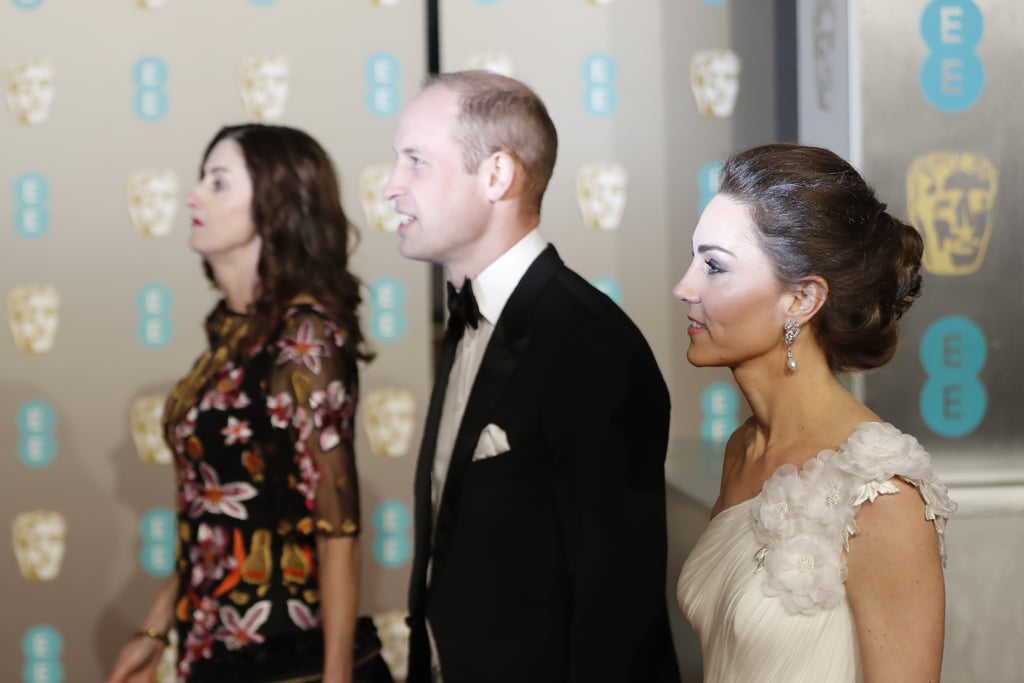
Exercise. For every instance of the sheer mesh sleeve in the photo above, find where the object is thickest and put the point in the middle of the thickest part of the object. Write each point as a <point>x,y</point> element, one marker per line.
<point>313,393</point>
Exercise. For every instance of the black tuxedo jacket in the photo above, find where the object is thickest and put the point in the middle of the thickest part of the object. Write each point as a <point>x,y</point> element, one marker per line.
<point>548,561</point>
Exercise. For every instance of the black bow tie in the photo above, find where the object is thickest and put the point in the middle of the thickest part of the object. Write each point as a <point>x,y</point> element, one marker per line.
<point>462,307</point>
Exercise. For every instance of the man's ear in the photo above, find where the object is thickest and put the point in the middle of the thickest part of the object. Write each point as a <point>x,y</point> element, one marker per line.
<point>500,173</point>
<point>807,298</point>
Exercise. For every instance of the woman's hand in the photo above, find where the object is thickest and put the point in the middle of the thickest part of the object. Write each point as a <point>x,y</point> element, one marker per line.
<point>138,660</point>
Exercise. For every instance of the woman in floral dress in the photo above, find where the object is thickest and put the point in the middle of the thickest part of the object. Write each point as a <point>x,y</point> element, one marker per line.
<point>261,428</point>
<point>823,560</point>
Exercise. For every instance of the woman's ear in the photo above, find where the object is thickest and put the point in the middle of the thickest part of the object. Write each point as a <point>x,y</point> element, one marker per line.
<point>807,299</point>
<point>500,172</point>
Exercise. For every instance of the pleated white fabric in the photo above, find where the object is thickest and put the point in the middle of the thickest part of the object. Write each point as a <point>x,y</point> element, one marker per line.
<point>764,585</point>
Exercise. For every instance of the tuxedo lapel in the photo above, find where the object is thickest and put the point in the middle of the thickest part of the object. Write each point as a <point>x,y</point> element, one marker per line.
<point>501,358</point>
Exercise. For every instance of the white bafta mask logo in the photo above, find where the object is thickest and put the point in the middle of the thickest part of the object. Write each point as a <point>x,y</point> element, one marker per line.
<point>386,3</point>
<point>146,414</point>
<point>394,638</point>
<point>601,194</point>
<point>32,313</point>
<point>39,543</point>
<point>824,51</point>
<point>30,91</point>
<point>166,670</point>
<point>715,81</point>
<point>153,201</point>
<point>600,3</point>
<point>495,62</point>
<point>390,421</point>
<point>264,81</point>
<point>379,212</point>
<point>152,4</point>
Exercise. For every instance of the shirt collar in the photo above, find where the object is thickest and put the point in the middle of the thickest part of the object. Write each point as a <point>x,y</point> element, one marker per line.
<point>495,284</point>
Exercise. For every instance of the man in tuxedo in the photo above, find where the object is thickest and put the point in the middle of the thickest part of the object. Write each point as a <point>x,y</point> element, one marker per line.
<point>540,541</point>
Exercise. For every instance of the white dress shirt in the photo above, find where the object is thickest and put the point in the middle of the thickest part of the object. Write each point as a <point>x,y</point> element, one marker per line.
<point>492,289</point>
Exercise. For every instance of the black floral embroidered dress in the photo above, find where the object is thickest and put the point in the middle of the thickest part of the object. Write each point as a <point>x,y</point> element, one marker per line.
<point>264,463</point>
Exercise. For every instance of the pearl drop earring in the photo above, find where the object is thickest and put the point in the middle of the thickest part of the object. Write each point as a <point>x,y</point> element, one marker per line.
<point>792,329</point>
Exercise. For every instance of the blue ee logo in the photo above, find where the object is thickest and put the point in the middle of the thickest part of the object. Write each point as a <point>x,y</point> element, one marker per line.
<point>42,646</point>
<point>387,317</point>
<point>609,286</point>
<point>37,447</point>
<point>383,97</point>
<point>392,546</point>
<point>600,98</point>
<point>953,401</point>
<point>155,328</point>
<point>719,404</point>
<point>707,183</point>
<point>151,101</point>
<point>31,214</point>
<point>952,76</point>
<point>158,539</point>
<point>27,4</point>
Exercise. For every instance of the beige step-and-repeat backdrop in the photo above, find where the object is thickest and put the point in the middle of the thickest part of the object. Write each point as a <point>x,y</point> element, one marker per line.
<point>107,109</point>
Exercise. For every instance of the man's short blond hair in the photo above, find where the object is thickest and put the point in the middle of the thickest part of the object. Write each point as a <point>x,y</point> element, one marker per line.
<point>501,114</point>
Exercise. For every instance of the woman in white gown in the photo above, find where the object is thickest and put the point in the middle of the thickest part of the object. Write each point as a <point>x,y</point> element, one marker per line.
<point>823,558</point>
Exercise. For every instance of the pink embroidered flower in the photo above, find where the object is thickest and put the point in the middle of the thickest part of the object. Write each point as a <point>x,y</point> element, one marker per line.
<point>210,556</point>
<point>302,616</point>
<point>226,391</point>
<point>806,573</point>
<point>211,496</point>
<point>303,422</point>
<point>281,408</point>
<point>331,398</point>
<point>303,348</point>
<point>238,631</point>
<point>309,474</point>
<point>237,431</point>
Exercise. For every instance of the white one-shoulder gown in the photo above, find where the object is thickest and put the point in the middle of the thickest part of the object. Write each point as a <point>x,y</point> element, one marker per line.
<point>764,585</point>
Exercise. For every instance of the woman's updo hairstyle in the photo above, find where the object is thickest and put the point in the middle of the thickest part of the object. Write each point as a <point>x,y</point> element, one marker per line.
<point>817,216</point>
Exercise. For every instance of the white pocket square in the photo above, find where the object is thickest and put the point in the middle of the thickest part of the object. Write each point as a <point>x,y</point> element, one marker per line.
<point>493,441</point>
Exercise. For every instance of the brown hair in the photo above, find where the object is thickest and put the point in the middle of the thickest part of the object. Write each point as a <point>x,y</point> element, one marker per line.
<point>501,114</point>
<point>817,216</point>
<point>306,237</point>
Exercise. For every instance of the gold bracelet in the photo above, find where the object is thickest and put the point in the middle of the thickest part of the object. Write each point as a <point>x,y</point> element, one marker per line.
<point>155,634</point>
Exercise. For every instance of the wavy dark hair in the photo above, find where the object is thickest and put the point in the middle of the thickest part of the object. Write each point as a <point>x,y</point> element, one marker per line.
<point>816,215</point>
<point>306,237</point>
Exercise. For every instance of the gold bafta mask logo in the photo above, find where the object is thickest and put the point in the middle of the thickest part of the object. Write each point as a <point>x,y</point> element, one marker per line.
<point>152,201</point>
<point>145,414</point>
<point>715,81</point>
<point>390,421</point>
<point>265,84</point>
<point>601,194</point>
<point>32,313</point>
<point>600,3</point>
<point>495,62</point>
<point>30,91</point>
<point>394,638</point>
<point>824,19</point>
<point>379,212</point>
<point>151,4</point>
<point>386,3</point>
<point>39,543</point>
<point>950,199</point>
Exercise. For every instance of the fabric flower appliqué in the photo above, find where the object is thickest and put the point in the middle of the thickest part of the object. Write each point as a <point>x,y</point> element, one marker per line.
<point>805,573</point>
<point>883,451</point>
